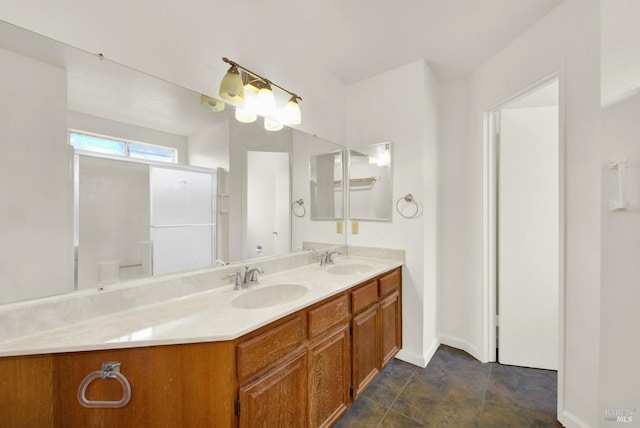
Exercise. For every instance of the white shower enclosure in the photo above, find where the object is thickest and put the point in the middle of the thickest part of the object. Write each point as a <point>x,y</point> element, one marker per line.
<point>135,219</point>
<point>182,219</point>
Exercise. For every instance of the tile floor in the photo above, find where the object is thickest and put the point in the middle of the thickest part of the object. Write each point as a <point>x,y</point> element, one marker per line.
<point>456,391</point>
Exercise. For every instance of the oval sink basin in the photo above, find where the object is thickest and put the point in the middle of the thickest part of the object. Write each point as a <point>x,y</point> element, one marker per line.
<point>349,269</point>
<point>270,295</point>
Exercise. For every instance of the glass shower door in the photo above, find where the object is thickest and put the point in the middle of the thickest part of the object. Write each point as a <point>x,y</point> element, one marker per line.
<point>182,219</point>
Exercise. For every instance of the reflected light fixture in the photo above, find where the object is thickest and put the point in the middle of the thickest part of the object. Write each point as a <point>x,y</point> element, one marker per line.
<point>245,115</point>
<point>272,125</point>
<point>263,103</point>
<point>247,112</point>
<point>211,104</point>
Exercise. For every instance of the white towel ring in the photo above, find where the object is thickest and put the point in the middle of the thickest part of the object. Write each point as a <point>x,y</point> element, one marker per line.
<point>298,204</point>
<point>409,199</point>
<point>110,370</point>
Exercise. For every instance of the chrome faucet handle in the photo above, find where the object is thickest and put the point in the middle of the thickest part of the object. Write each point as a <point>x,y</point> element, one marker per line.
<point>254,274</point>
<point>323,258</point>
<point>238,280</point>
<point>329,256</point>
<point>251,275</point>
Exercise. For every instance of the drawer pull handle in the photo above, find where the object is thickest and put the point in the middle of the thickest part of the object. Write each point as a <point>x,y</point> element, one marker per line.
<point>110,370</point>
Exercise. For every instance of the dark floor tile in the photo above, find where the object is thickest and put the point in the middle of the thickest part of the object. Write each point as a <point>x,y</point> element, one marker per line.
<point>529,392</point>
<point>439,404</point>
<point>503,414</point>
<point>362,413</point>
<point>396,420</point>
<point>386,387</point>
<point>456,391</point>
<point>543,376</point>
<point>444,380</point>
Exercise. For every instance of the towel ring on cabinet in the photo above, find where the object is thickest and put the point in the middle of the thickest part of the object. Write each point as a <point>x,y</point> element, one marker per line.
<point>409,199</point>
<point>110,370</point>
<point>298,204</point>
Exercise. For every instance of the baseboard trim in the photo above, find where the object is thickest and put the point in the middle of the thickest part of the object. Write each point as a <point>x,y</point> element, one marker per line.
<point>412,358</point>
<point>462,345</point>
<point>569,420</point>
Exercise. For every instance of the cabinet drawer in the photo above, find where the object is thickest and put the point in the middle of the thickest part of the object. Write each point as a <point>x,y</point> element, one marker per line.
<point>260,352</point>
<point>390,282</point>
<point>364,296</point>
<point>328,315</point>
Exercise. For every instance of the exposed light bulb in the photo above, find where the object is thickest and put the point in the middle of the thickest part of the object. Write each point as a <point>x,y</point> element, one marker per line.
<point>265,101</point>
<point>291,113</point>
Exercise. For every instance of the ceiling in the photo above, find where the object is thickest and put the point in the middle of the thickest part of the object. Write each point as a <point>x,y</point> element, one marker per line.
<point>351,40</point>
<point>357,39</point>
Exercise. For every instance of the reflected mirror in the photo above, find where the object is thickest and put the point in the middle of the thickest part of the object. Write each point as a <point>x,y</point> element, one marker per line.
<point>189,152</point>
<point>325,186</point>
<point>370,182</point>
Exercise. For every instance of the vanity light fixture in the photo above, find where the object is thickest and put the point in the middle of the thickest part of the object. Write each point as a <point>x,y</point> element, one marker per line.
<point>231,87</point>
<point>256,97</point>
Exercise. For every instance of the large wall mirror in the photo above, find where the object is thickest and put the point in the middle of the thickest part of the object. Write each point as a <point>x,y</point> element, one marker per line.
<point>370,182</point>
<point>73,219</point>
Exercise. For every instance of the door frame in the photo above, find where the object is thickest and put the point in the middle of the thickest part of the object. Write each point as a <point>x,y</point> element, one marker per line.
<point>490,218</point>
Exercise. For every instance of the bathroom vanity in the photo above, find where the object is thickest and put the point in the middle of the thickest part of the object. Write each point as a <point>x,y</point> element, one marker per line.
<point>302,368</point>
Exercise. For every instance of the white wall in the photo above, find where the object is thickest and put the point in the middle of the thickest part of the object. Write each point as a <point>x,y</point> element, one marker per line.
<point>620,317</point>
<point>377,113</point>
<point>209,148</point>
<point>568,39</point>
<point>84,122</point>
<point>35,181</point>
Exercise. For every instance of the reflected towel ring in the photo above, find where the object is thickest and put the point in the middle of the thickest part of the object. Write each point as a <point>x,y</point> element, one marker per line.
<point>110,370</point>
<point>409,199</point>
<point>298,204</point>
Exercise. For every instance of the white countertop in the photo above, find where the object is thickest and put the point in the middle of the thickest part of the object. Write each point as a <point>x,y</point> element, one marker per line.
<point>207,316</point>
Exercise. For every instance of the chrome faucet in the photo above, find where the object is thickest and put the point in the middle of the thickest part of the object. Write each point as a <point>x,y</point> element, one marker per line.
<point>251,275</point>
<point>249,278</point>
<point>326,258</point>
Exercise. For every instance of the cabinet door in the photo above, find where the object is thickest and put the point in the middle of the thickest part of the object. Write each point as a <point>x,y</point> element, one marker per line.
<point>366,354</point>
<point>329,379</point>
<point>278,399</point>
<point>391,327</point>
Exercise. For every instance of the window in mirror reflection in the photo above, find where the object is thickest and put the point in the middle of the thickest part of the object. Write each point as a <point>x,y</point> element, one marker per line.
<point>105,145</point>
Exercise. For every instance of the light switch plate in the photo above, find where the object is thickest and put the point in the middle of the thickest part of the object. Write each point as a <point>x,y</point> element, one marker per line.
<point>354,228</point>
<point>339,227</point>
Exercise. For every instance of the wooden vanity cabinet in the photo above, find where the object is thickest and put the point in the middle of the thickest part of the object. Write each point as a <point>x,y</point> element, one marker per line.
<point>329,362</point>
<point>390,308</point>
<point>277,399</point>
<point>295,372</point>
<point>377,327</point>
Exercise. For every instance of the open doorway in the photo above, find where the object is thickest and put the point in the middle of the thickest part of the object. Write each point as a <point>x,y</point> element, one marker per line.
<point>525,228</point>
<point>268,227</point>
